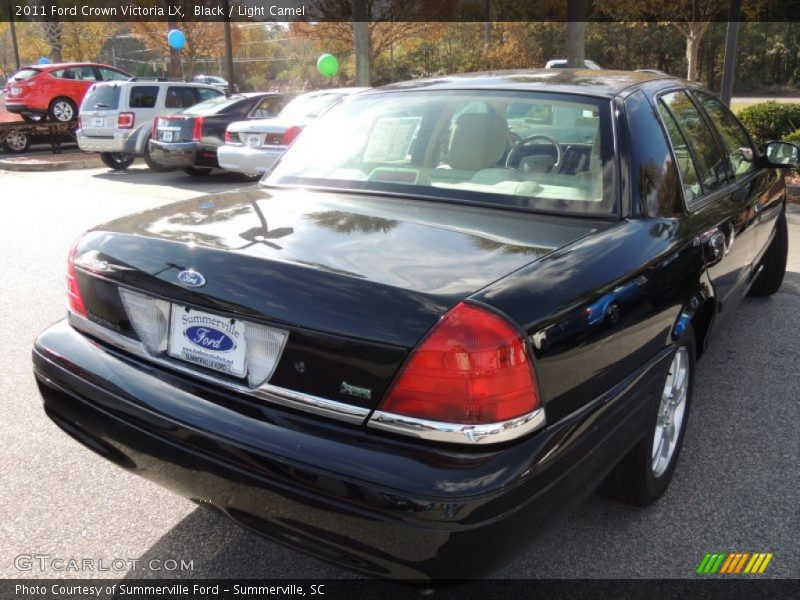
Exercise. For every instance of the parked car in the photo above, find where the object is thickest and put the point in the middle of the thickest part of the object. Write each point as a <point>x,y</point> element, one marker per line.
<point>218,82</point>
<point>189,139</point>
<point>116,118</point>
<point>561,63</point>
<point>407,354</point>
<point>252,146</point>
<point>55,90</point>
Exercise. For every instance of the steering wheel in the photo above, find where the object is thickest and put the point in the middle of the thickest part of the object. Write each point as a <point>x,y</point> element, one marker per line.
<point>529,141</point>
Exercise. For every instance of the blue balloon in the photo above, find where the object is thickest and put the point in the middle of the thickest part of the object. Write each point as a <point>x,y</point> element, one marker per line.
<point>44,61</point>
<point>176,39</point>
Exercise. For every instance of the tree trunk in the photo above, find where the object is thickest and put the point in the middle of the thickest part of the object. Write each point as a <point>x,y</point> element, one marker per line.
<point>692,47</point>
<point>361,35</point>
<point>576,35</point>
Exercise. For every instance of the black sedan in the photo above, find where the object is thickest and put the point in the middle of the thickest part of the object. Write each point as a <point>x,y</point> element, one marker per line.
<point>424,337</point>
<point>189,139</point>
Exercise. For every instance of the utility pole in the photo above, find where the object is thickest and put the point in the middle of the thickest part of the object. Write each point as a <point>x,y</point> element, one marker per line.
<point>13,35</point>
<point>361,34</point>
<point>731,50</point>
<point>229,49</point>
<point>576,34</point>
<point>487,23</point>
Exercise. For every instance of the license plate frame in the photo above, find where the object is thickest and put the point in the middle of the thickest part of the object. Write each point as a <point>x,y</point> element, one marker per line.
<point>98,122</point>
<point>208,340</point>
<point>254,140</point>
<point>166,136</point>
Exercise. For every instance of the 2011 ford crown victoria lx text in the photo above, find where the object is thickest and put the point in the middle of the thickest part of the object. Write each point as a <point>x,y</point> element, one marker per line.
<point>452,309</point>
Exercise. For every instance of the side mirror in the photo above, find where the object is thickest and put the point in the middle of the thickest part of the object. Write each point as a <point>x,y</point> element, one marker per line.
<point>782,155</point>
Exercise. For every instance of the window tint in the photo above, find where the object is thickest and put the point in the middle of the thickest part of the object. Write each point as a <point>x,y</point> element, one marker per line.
<point>737,143</point>
<point>708,160</point>
<point>143,96</point>
<point>653,172</point>
<point>77,73</point>
<point>101,97</point>
<point>112,74</point>
<point>689,178</point>
<point>208,93</point>
<point>180,97</point>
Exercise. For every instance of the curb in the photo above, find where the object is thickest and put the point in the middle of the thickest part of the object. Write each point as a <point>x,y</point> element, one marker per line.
<point>62,163</point>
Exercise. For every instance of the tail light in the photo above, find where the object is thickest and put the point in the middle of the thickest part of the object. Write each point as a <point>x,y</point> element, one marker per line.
<point>153,134</point>
<point>227,137</point>
<point>76,304</point>
<point>290,135</point>
<point>149,317</point>
<point>80,122</point>
<point>125,120</point>
<point>197,129</point>
<point>473,368</point>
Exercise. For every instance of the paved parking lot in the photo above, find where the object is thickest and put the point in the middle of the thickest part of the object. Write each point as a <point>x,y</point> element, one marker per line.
<point>736,488</point>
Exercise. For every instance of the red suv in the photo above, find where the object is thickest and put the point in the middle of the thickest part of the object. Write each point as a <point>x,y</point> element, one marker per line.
<point>56,90</point>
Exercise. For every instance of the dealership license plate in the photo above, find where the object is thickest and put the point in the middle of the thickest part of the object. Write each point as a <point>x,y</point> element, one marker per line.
<point>254,140</point>
<point>208,340</point>
<point>166,136</point>
<point>15,91</point>
<point>98,122</point>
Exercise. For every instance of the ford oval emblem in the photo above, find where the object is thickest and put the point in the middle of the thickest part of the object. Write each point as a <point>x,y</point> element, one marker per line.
<point>191,278</point>
<point>209,338</point>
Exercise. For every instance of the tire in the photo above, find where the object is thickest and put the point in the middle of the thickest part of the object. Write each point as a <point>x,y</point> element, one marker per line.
<point>62,110</point>
<point>17,142</point>
<point>643,475</point>
<point>151,164</point>
<point>117,160</point>
<point>774,262</point>
<point>33,118</point>
<point>197,171</point>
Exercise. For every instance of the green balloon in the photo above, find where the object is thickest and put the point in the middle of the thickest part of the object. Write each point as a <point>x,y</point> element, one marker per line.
<point>327,65</point>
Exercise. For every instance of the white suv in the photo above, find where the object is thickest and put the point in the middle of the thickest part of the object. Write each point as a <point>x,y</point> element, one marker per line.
<point>116,118</point>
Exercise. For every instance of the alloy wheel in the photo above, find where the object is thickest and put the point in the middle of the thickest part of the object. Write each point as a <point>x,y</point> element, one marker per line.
<point>671,412</point>
<point>63,111</point>
<point>17,141</point>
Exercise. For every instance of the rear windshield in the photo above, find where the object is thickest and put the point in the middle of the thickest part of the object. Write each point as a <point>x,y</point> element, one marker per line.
<point>213,106</point>
<point>309,107</point>
<point>540,151</point>
<point>101,97</point>
<point>25,74</point>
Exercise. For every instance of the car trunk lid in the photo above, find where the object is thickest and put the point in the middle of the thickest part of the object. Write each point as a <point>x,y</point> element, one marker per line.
<point>355,281</point>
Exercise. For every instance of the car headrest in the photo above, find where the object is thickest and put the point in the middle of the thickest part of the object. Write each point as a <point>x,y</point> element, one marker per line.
<point>477,142</point>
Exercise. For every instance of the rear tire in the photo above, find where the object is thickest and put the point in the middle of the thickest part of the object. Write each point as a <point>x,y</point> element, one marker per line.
<point>644,474</point>
<point>197,171</point>
<point>17,142</point>
<point>774,262</point>
<point>62,110</point>
<point>117,160</point>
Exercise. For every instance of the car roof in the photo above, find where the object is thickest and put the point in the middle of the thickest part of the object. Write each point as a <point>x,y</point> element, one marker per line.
<point>63,65</point>
<point>587,82</point>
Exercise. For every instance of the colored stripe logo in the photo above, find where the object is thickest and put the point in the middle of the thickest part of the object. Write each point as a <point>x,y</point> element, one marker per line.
<point>734,563</point>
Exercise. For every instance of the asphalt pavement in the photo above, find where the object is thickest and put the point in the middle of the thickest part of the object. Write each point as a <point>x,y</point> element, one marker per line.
<point>735,489</point>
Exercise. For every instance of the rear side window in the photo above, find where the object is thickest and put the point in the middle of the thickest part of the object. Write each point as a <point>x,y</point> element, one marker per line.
<point>737,144</point>
<point>143,96</point>
<point>653,172</point>
<point>180,97</point>
<point>208,93</point>
<point>268,107</point>
<point>689,177</point>
<point>102,97</point>
<point>699,138</point>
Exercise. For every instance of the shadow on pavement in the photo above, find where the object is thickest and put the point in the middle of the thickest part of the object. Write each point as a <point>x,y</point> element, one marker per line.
<point>215,181</point>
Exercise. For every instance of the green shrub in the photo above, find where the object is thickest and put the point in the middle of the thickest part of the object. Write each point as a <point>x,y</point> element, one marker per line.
<point>793,137</point>
<point>771,120</point>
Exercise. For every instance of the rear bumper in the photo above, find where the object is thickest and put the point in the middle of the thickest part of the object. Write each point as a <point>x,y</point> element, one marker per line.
<point>248,161</point>
<point>385,506</point>
<point>22,107</point>
<point>183,154</point>
<point>121,141</point>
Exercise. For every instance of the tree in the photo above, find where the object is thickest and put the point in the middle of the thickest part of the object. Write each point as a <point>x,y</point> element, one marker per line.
<point>203,40</point>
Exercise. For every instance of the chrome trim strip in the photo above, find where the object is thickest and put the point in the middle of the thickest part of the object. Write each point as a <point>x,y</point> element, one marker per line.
<point>455,433</point>
<point>269,393</point>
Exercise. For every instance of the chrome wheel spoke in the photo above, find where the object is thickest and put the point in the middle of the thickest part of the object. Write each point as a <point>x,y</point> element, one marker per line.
<point>670,412</point>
